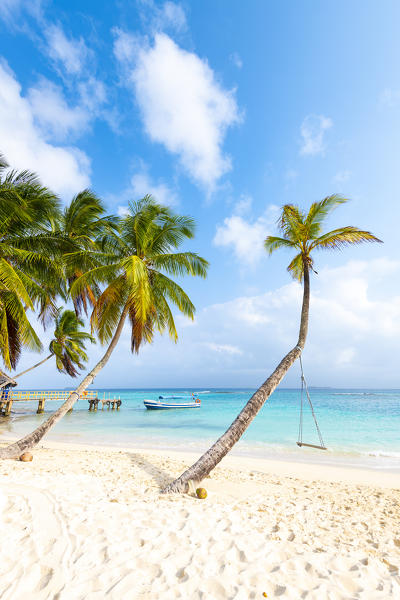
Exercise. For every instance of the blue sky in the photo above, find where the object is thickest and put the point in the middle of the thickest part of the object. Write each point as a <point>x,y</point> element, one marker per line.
<point>226,111</point>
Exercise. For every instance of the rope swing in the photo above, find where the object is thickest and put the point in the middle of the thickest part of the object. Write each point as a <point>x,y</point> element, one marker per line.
<point>304,388</point>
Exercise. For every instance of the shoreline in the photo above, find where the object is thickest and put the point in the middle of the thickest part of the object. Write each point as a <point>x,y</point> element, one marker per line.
<point>304,469</point>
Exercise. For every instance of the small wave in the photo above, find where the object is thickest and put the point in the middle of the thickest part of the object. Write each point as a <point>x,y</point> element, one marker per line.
<point>355,394</point>
<point>204,392</point>
<point>383,453</point>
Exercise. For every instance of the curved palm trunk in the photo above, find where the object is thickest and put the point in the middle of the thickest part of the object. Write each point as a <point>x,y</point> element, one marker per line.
<point>15,450</point>
<point>224,444</point>
<point>34,366</point>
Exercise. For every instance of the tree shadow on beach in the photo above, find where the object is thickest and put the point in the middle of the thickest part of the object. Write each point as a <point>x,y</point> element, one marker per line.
<point>161,477</point>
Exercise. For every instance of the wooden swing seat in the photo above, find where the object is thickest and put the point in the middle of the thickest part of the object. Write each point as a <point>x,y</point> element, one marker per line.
<point>311,446</point>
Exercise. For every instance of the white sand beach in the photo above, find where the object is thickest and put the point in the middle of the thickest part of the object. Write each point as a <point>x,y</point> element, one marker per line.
<point>90,523</point>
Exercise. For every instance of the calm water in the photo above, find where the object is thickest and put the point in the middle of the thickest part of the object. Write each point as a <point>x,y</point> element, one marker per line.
<point>358,426</point>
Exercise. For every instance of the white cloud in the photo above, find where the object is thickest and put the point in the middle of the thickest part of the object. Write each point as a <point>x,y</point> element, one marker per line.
<point>93,93</point>
<point>53,115</point>
<point>182,104</point>
<point>245,237</point>
<point>349,301</point>
<point>236,60</point>
<point>390,97</point>
<point>172,15</point>
<point>353,332</point>
<point>223,348</point>
<point>10,10</point>
<point>142,184</point>
<point>65,170</point>
<point>244,204</point>
<point>122,211</point>
<point>56,118</point>
<point>126,46</point>
<point>71,53</point>
<point>313,131</point>
<point>162,17</point>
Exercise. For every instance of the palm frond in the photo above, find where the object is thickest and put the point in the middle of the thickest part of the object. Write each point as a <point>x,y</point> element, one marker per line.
<point>102,274</point>
<point>273,243</point>
<point>107,310</point>
<point>296,267</point>
<point>320,210</point>
<point>10,279</point>
<point>170,289</point>
<point>181,263</point>
<point>291,222</point>
<point>344,236</point>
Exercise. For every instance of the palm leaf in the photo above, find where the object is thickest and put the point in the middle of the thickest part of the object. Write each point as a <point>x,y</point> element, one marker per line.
<point>273,243</point>
<point>320,210</point>
<point>344,236</point>
<point>181,263</point>
<point>296,267</point>
<point>10,278</point>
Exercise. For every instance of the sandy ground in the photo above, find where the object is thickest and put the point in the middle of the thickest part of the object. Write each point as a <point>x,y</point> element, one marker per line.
<point>86,523</point>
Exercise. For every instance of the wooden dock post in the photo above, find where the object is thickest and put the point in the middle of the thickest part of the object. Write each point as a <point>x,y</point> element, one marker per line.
<point>40,408</point>
<point>7,409</point>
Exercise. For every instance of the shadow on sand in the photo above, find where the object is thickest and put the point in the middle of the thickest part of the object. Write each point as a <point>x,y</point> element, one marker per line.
<point>161,477</point>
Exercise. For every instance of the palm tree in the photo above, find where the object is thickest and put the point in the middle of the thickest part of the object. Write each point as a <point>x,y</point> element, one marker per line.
<point>67,346</point>
<point>302,233</point>
<point>135,271</point>
<point>86,226</point>
<point>28,274</point>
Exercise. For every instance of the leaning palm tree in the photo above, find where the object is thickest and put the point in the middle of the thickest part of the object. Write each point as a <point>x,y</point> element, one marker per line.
<point>28,274</point>
<point>302,233</point>
<point>135,271</point>
<point>67,346</point>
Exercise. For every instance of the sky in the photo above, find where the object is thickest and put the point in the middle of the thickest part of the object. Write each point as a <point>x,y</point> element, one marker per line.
<point>225,111</point>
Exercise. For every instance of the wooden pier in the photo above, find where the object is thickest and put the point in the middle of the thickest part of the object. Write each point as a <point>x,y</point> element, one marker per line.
<point>113,403</point>
<point>8,397</point>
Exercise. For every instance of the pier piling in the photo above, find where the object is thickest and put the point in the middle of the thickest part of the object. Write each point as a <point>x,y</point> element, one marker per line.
<point>7,409</point>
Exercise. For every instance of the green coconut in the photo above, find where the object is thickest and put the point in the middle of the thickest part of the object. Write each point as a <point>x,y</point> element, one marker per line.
<point>201,493</point>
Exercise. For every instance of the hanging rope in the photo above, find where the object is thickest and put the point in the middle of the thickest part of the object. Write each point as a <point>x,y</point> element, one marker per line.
<point>304,388</point>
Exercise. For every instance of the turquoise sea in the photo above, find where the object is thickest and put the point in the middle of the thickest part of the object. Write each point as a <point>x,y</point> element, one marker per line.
<point>360,427</point>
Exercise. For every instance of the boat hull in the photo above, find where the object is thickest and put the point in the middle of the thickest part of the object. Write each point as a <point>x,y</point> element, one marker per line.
<point>158,405</point>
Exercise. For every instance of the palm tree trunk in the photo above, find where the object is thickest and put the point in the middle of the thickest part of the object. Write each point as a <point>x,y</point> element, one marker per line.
<point>34,366</point>
<point>15,450</point>
<point>208,461</point>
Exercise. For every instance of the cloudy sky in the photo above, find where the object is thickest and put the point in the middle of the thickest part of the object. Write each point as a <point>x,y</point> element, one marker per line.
<point>226,111</point>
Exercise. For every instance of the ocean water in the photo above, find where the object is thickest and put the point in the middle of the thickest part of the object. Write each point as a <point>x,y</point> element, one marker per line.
<point>359,427</point>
